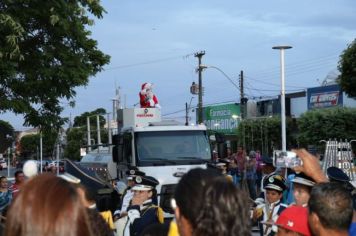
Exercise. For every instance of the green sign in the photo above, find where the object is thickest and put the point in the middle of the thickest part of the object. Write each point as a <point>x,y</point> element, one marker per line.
<point>222,118</point>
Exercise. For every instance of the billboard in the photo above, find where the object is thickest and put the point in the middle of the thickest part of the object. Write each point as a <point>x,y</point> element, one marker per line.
<point>323,97</point>
<point>222,118</point>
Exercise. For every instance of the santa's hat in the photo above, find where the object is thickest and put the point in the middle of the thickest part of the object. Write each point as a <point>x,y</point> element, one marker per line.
<point>145,85</point>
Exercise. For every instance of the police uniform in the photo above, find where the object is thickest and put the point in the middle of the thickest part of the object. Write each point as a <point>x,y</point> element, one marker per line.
<point>261,198</point>
<point>303,179</point>
<point>125,202</point>
<point>141,216</point>
<point>222,166</point>
<point>269,212</point>
<point>128,193</point>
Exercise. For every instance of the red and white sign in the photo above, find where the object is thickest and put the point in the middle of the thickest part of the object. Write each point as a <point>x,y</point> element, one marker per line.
<point>326,99</point>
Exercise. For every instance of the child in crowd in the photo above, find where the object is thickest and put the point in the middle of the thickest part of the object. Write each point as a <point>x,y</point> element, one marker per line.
<point>293,221</point>
<point>302,186</point>
<point>268,212</point>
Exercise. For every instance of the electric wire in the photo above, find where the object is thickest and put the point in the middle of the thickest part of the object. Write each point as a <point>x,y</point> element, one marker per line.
<point>149,62</point>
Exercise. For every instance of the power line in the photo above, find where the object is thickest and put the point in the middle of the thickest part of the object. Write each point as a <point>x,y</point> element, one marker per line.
<point>194,107</point>
<point>272,84</point>
<point>150,62</point>
<point>297,64</point>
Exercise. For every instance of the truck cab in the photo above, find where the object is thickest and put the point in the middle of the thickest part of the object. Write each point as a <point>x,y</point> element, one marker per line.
<point>165,150</point>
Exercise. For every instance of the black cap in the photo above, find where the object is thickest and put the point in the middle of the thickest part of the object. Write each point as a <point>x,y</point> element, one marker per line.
<point>276,182</point>
<point>303,179</point>
<point>222,162</point>
<point>133,172</point>
<point>145,183</point>
<point>337,175</point>
<point>267,160</point>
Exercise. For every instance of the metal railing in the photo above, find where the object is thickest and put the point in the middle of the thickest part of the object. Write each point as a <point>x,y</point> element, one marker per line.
<point>339,154</point>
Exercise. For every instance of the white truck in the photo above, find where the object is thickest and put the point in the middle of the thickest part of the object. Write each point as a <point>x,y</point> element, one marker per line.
<point>163,149</point>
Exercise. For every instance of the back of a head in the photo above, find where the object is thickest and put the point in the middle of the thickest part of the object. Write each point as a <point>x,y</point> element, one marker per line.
<point>190,191</point>
<point>212,204</point>
<point>332,203</point>
<point>224,211</point>
<point>47,205</point>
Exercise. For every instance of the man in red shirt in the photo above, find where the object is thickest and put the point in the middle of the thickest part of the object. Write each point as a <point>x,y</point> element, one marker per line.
<point>19,180</point>
<point>240,160</point>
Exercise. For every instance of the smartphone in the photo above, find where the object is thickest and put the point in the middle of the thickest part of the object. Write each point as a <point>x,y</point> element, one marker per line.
<point>286,159</point>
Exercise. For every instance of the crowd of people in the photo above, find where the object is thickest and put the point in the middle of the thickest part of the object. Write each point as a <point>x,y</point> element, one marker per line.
<point>207,202</point>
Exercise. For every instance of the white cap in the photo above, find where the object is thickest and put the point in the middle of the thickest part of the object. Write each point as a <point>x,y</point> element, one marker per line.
<point>70,178</point>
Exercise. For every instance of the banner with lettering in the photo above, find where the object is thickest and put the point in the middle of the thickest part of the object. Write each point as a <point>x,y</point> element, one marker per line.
<point>323,97</point>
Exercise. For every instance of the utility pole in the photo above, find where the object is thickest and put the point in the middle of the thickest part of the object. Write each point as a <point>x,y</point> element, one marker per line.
<point>186,113</point>
<point>242,95</point>
<point>243,101</point>
<point>199,55</point>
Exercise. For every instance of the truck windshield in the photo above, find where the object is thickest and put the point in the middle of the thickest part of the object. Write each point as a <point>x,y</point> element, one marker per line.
<point>172,147</point>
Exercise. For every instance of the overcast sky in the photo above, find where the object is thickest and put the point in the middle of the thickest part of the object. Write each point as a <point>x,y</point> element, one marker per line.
<point>154,41</point>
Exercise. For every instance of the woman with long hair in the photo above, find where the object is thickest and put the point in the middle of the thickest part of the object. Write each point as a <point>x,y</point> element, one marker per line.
<point>47,205</point>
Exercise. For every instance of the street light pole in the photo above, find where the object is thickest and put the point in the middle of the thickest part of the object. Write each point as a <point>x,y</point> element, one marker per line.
<point>283,95</point>
<point>41,152</point>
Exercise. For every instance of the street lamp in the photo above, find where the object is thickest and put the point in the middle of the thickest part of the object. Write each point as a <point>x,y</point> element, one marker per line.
<point>283,94</point>
<point>221,71</point>
<point>187,108</point>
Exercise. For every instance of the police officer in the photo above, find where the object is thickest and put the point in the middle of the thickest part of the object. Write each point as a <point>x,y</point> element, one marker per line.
<point>120,216</point>
<point>222,165</point>
<point>301,186</point>
<point>142,212</point>
<point>269,211</point>
<point>128,193</point>
<point>267,170</point>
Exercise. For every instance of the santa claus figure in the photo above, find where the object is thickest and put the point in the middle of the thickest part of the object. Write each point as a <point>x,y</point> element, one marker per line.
<point>147,98</point>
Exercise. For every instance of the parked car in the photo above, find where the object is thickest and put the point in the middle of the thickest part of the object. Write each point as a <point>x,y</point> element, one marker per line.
<point>3,165</point>
<point>53,166</point>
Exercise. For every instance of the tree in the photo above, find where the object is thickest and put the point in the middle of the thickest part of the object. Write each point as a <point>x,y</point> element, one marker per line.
<point>75,140</point>
<point>347,67</point>
<point>324,124</point>
<point>265,134</point>
<point>5,129</point>
<point>76,136</point>
<point>30,144</point>
<point>45,53</point>
<point>82,119</point>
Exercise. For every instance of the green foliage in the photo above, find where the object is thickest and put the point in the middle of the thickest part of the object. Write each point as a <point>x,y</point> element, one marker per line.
<point>82,119</point>
<point>347,67</point>
<point>324,124</point>
<point>45,53</point>
<point>30,145</point>
<point>77,136</point>
<point>75,140</point>
<point>5,129</point>
<point>265,134</point>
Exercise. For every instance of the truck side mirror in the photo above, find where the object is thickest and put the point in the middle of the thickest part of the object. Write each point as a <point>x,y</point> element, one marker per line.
<point>220,138</point>
<point>117,151</point>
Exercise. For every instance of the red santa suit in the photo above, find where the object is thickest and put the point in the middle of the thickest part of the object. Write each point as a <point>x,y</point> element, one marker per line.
<point>147,98</point>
